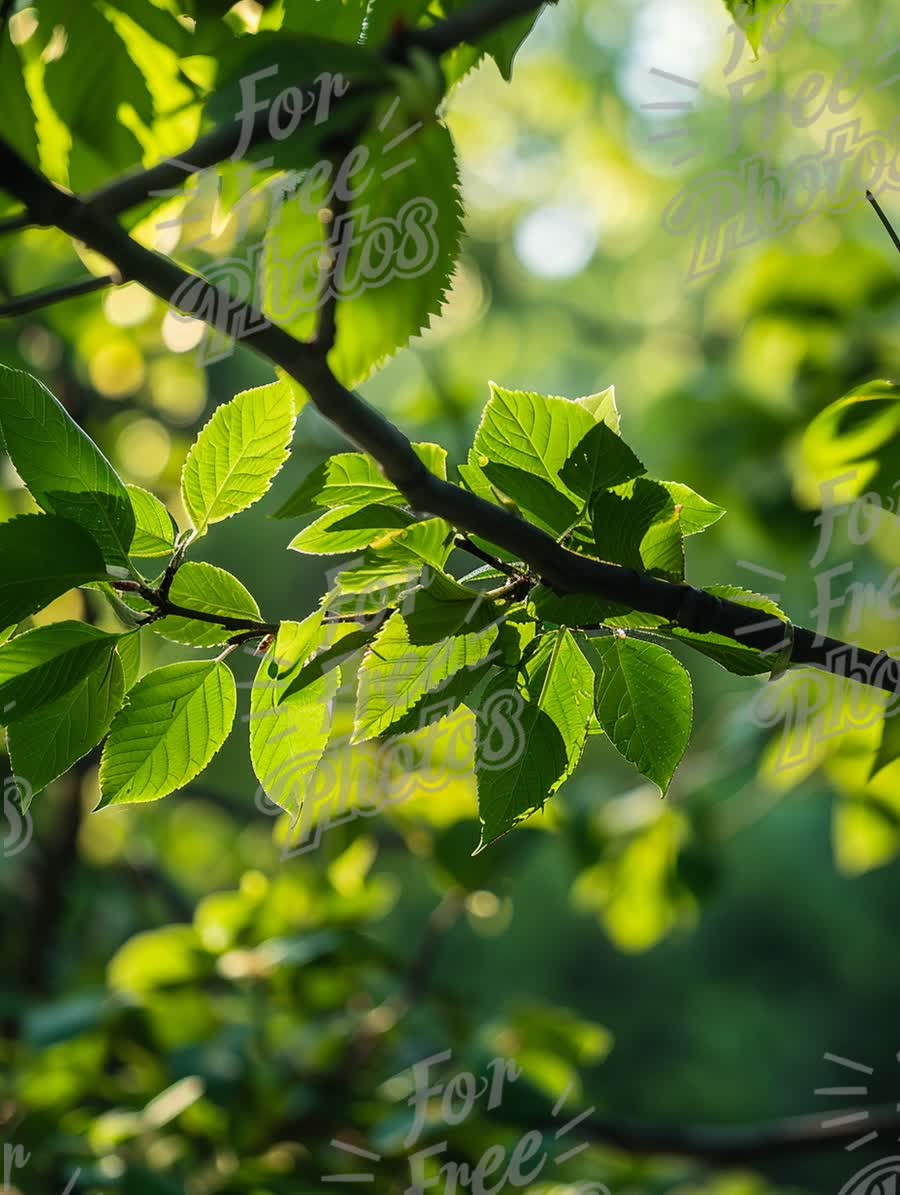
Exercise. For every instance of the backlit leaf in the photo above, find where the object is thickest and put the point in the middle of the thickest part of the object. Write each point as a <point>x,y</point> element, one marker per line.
<point>43,556</point>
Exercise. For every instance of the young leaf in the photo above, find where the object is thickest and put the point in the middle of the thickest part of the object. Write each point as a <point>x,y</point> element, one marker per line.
<point>348,529</point>
<point>643,700</point>
<point>530,735</point>
<point>398,242</point>
<point>46,743</point>
<point>43,557</point>
<point>636,525</point>
<point>42,665</point>
<point>598,462</point>
<point>535,497</point>
<point>445,628</point>
<point>209,590</point>
<point>238,453</point>
<point>175,720</point>
<point>155,529</point>
<point>354,479</point>
<point>288,735</point>
<point>62,467</point>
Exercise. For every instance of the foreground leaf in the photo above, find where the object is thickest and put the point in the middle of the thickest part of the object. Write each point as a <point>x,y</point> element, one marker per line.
<point>733,656</point>
<point>209,590</point>
<point>354,479</point>
<point>637,525</point>
<point>531,735</point>
<point>288,735</point>
<point>65,471</point>
<point>44,745</point>
<point>176,719</point>
<point>38,667</point>
<point>237,454</point>
<point>599,461</point>
<point>155,531</point>
<point>644,702</point>
<point>348,529</point>
<point>43,556</point>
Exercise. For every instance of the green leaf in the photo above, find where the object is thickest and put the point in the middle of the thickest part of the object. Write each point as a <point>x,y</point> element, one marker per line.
<point>354,479</point>
<point>644,702</point>
<point>536,498</point>
<point>101,144</point>
<point>388,572</point>
<point>854,441</point>
<point>209,590</point>
<point>733,656</point>
<point>43,557</point>
<point>889,747</point>
<point>44,664</point>
<point>444,629</point>
<point>288,735</point>
<point>531,732</point>
<point>45,744</point>
<point>694,513</point>
<point>62,467</point>
<point>636,525</point>
<point>18,116</point>
<point>238,453</point>
<point>175,720</point>
<point>754,17</point>
<point>599,461</point>
<point>348,529</point>
<point>130,655</point>
<point>602,407</point>
<point>398,245</point>
<point>155,529</point>
<point>531,432</point>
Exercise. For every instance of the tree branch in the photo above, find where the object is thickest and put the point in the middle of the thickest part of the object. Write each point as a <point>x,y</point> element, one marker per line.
<point>891,231</point>
<point>731,1144</point>
<point>562,570</point>
<point>468,25</point>
<point>57,294</point>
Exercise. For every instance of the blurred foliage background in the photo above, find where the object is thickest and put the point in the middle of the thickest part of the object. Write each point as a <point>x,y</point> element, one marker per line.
<point>185,1008</point>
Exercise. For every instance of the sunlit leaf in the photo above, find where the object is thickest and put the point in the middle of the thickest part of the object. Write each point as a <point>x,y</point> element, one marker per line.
<point>238,453</point>
<point>44,664</point>
<point>155,531</point>
<point>599,461</point>
<point>348,529</point>
<point>175,720</point>
<point>62,467</point>
<point>731,655</point>
<point>209,590</point>
<point>637,525</point>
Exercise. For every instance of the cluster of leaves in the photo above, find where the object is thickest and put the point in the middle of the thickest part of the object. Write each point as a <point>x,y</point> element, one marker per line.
<point>537,672</point>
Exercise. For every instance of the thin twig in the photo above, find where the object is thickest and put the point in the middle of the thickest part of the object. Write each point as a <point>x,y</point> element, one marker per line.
<point>465,544</point>
<point>57,294</point>
<point>884,220</point>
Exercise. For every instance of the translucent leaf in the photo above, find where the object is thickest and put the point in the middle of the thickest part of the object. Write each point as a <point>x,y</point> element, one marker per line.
<point>155,529</point>
<point>395,247</point>
<point>753,17</point>
<point>354,479</point>
<point>443,628</point>
<point>62,467</point>
<point>695,513</point>
<point>288,735</point>
<point>43,556</point>
<point>531,733</point>
<point>210,590</point>
<point>348,529</point>
<point>536,498</point>
<point>176,719</point>
<point>44,664</point>
<point>238,453</point>
<point>644,702</point>
<point>45,744</point>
